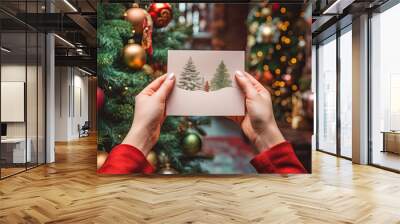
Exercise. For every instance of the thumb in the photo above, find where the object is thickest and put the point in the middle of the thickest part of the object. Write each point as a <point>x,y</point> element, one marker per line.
<point>245,84</point>
<point>166,87</point>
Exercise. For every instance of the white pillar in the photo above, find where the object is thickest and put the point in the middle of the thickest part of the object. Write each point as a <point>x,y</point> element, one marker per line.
<point>50,93</point>
<point>360,90</point>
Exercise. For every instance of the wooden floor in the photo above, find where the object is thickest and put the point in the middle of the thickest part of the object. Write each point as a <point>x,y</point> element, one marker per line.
<point>387,159</point>
<point>70,191</point>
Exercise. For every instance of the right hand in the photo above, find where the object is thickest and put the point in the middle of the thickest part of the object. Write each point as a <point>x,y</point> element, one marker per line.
<point>259,123</point>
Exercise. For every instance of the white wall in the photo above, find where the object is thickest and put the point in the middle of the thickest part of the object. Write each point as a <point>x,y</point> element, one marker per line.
<point>61,103</point>
<point>16,73</point>
<point>71,102</point>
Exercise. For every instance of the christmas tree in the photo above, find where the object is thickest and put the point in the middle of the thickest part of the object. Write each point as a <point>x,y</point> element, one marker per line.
<point>221,78</point>
<point>190,78</point>
<point>121,83</point>
<point>278,46</point>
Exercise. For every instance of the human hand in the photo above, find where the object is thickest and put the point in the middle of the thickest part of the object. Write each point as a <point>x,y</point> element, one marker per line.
<point>259,123</point>
<point>149,114</point>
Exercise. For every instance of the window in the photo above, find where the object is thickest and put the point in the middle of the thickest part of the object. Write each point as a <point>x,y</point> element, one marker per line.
<point>346,93</point>
<point>385,89</point>
<point>327,95</point>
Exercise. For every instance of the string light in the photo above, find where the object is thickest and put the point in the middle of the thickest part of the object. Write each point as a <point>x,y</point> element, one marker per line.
<point>287,77</point>
<point>287,48</point>
<point>285,40</point>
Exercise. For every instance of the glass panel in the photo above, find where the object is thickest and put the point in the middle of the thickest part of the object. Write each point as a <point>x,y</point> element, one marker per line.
<point>13,93</point>
<point>385,84</point>
<point>22,63</point>
<point>327,96</point>
<point>345,94</point>
<point>32,88</point>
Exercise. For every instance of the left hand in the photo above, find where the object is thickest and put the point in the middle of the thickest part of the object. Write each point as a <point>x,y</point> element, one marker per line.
<point>149,114</point>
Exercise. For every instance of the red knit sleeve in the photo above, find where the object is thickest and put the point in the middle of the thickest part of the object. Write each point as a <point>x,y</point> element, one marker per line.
<point>125,159</point>
<point>278,159</point>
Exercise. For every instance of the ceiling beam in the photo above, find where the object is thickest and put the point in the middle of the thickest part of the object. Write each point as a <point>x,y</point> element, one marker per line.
<point>81,61</point>
<point>89,30</point>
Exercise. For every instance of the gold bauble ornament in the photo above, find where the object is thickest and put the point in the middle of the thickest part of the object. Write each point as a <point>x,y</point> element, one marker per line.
<point>136,16</point>
<point>191,143</point>
<point>152,158</point>
<point>165,164</point>
<point>168,170</point>
<point>101,158</point>
<point>148,69</point>
<point>134,55</point>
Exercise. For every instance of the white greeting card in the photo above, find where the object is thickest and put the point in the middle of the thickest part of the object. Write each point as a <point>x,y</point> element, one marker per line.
<point>205,84</point>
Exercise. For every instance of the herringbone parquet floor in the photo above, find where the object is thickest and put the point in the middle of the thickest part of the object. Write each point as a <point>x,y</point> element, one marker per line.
<point>69,191</point>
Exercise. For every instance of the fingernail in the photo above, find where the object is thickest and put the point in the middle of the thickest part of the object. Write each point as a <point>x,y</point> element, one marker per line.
<point>171,76</point>
<point>239,73</point>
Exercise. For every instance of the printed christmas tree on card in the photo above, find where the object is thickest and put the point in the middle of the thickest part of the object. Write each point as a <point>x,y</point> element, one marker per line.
<point>190,78</point>
<point>205,83</point>
<point>221,78</point>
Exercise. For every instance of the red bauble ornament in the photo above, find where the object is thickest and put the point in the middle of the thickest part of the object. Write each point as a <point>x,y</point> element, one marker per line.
<point>161,13</point>
<point>275,6</point>
<point>100,98</point>
<point>267,75</point>
<point>136,16</point>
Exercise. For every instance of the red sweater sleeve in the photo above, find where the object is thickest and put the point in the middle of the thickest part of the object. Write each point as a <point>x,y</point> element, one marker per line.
<point>278,159</point>
<point>125,159</point>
